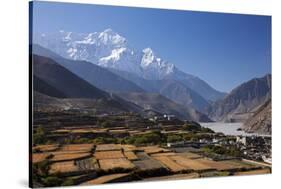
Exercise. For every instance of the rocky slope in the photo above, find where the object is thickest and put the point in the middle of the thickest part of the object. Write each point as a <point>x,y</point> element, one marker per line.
<point>158,103</point>
<point>43,102</point>
<point>95,75</point>
<point>260,122</point>
<point>172,89</point>
<point>63,80</point>
<point>242,101</point>
<point>56,88</point>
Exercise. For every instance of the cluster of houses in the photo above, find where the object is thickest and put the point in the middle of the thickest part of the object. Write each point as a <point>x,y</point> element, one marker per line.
<point>255,147</point>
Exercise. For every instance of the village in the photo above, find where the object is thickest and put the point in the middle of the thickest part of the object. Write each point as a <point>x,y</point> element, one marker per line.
<point>79,149</point>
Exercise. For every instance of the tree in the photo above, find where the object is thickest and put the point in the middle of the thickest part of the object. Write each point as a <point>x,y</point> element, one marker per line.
<point>191,127</point>
<point>39,135</point>
<point>52,181</point>
<point>207,130</point>
<point>40,170</point>
<point>106,124</point>
<point>68,182</point>
<point>149,138</point>
<point>104,140</point>
<point>174,138</point>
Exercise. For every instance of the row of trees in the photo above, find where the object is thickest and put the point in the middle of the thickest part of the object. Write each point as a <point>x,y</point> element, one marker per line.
<point>229,150</point>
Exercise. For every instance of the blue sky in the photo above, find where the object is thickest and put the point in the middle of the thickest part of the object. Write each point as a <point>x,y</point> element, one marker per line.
<point>222,49</point>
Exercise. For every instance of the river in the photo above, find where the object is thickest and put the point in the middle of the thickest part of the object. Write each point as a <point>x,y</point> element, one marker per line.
<point>227,128</point>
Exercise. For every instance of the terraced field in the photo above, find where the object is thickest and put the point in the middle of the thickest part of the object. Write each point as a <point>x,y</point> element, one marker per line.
<point>254,172</point>
<point>46,148</point>
<point>219,165</point>
<point>109,154</point>
<point>106,179</point>
<point>171,164</point>
<point>117,163</point>
<point>108,147</point>
<point>191,164</point>
<point>64,167</point>
<point>78,147</point>
<point>69,156</point>
<point>38,157</point>
<point>90,164</point>
<point>130,155</point>
<point>175,177</point>
<point>153,149</point>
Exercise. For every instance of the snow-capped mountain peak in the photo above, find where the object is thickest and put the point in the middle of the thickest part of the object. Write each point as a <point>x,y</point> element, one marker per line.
<point>114,56</point>
<point>150,61</point>
<point>107,49</point>
<point>148,57</point>
<point>109,36</point>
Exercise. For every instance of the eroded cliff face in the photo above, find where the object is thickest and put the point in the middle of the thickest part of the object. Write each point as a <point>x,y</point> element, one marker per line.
<point>261,121</point>
<point>243,101</point>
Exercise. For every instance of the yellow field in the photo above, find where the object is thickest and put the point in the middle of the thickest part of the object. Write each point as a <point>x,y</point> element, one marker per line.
<point>106,179</point>
<point>254,172</point>
<point>78,147</point>
<point>108,147</point>
<point>46,148</point>
<point>172,165</point>
<point>174,177</point>
<point>190,155</point>
<point>130,155</point>
<point>63,167</point>
<point>38,157</point>
<point>218,165</point>
<point>107,164</point>
<point>69,152</point>
<point>127,147</point>
<point>163,154</point>
<point>116,131</point>
<point>108,154</point>
<point>153,149</point>
<point>82,131</point>
<point>190,163</point>
<point>69,156</point>
<point>239,164</point>
<point>61,131</point>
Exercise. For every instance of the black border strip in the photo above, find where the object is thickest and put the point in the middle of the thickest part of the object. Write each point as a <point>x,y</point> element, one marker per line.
<point>30,87</point>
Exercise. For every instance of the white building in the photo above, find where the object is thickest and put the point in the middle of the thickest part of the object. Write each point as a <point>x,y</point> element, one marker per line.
<point>242,140</point>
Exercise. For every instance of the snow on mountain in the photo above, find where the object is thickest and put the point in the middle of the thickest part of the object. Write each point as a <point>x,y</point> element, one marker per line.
<point>107,49</point>
<point>155,66</point>
<point>111,50</point>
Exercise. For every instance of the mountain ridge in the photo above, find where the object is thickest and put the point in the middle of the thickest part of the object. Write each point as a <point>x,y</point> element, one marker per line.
<point>95,75</point>
<point>261,121</point>
<point>170,88</point>
<point>110,50</point>
<point>159,103</point>
<point>58,88</point>
<point>242,100</point>
<point>60,78</point>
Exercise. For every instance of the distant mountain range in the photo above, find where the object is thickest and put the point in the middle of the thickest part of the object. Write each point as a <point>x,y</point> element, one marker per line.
<point>112,80</point>
<point>56,88</point>
<point>101,71</point>
<point>175,90</point>
<point>242,101</point>
<point>108,49</point>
